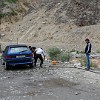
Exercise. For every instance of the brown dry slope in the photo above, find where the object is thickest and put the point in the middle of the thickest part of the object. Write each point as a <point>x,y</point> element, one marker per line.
<point>61,23</point>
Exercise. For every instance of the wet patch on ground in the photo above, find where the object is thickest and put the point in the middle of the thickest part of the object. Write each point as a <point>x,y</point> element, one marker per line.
<point>52,83</point>
<point>58,83</point>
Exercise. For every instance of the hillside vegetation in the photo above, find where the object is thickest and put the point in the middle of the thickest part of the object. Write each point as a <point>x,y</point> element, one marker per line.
<point>62,23</point>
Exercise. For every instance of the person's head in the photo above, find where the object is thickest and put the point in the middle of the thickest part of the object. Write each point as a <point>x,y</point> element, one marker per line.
<point>42,48</point>
<point>33,49</point>
<point>29,46</point>
<point>87,40</point>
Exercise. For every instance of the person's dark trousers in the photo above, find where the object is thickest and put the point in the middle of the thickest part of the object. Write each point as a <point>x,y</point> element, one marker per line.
<point>88,61</point>
<point>36,57</point>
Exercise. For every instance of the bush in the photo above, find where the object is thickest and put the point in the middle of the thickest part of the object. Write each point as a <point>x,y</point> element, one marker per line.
<point>11,1</point>
<point>65,56</point>
<point>12,13</point>
<point>83,62</point>
<point>54,53</point>
<point>57,54</point>
<point>1,15</point>
<point>2,4</point>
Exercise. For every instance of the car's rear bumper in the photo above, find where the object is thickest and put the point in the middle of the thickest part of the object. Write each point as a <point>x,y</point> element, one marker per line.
<point>19,62</point>
<point>23,63</point>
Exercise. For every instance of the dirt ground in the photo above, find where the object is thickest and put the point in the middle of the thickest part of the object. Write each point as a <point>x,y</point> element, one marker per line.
<point>59,82</point>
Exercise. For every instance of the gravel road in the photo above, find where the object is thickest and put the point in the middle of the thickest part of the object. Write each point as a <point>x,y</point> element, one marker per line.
<point>59,82</point>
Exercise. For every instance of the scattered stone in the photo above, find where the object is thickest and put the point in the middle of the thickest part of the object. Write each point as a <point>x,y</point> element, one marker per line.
<point>39,28</point>
<point>77,93</point>
<point>59,3</point>
<point>30,20</point>
<point>2,35</point>
<point>10,39</point>
<point>91,82</point>
<point>43,22</point>
<point>22,30</point>
<point>40,84</point>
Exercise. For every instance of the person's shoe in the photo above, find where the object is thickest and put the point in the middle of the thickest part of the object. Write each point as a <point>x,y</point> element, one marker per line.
<point>86,69</point>
<point>40,65</point>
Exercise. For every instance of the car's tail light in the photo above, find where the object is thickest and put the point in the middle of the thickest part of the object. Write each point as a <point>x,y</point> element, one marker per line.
<point>30,55</point>
<point>8,56</point>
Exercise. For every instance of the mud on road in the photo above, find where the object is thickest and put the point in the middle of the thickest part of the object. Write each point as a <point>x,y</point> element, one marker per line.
<point>48,83</point>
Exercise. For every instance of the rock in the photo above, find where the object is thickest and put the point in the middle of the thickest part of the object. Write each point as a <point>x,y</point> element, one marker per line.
<point>22,30</point>
<point>30,20</point>
<point>39,28</point>
<point>40,84</point>
<point>77,93</point>
<point>66,62</point>
<point>59,3</point>
<point>77,65</point>
<point>43,22</point>
<point>91,82</point>
<point>31,33</point>
<point>2,35</point>
<point>10,39</point>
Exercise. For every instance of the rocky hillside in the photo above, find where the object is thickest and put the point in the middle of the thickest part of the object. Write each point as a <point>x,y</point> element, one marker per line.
<point>47,23</point>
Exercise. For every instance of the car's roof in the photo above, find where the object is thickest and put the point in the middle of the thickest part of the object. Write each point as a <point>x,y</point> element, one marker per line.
<point>17,45</point>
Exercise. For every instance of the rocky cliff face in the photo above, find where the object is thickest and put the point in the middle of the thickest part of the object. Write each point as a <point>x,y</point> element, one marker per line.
<point>63,23</point>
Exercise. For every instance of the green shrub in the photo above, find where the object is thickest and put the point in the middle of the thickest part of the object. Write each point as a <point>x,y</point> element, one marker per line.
<point>1,15</point>
<point>13,12</point>
<point>57,54</point>
<point>83,63</point>
<point>11,1</point>
<point>54,53</point>
<point>93,64</point>
<point>77,52</point>
<point>2,4</point>
<point>98,51</point>
<point>82,52</point>
<point>65,56</point>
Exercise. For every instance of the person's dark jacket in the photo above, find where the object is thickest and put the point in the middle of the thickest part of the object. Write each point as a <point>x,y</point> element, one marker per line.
<point>88,48</point>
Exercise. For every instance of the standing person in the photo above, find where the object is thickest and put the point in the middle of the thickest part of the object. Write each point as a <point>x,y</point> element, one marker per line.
<point>38,54</point>
<point>87,52</point>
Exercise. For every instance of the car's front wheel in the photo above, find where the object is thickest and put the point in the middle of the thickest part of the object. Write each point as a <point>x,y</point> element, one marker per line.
<point>6,67</point>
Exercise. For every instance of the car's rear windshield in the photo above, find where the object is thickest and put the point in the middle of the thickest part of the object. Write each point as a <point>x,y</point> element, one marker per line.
<point>18,49</point>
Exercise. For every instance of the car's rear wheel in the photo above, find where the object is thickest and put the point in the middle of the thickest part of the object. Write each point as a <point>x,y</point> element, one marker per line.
<point>2,62</point>
<point>6,67</point>
<point>31,65</point>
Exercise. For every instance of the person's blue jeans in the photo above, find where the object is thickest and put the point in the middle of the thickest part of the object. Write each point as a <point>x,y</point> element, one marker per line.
<point>88,60</point>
